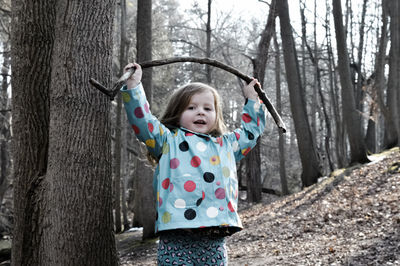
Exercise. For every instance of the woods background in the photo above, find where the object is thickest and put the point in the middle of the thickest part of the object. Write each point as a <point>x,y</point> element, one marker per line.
<point>71,171</point>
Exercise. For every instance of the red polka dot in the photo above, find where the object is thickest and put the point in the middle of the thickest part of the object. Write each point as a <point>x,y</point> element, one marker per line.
<point>171,187</point>
<point>220,193</point>
<point>195,162</point>
<point>189,186</point>
<point>189,134</point>
<point>246,118</point>
<point>136,129</point>
<point>174,163</point>
<point>150,126</point>
<point>258,121</point>
<point>246,151</point>
<point>237,135</point>
<point>146,107</point>
<point>165,183</point>
<point>219,140</point>
<point>139,112</point>
<point>203,195</point>
<point>230,207</point>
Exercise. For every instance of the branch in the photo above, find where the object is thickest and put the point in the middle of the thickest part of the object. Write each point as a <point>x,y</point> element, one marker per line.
<point>208,61</point>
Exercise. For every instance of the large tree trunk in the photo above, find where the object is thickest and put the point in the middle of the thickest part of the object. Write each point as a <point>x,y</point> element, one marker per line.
<point>32,43</point>
<point>80,222</point>
<point>350,116</point>
<point>306,145</point>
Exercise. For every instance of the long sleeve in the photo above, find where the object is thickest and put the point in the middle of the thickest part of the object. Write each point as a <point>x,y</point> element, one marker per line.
<point>243,139</point>
<point>147,127</point>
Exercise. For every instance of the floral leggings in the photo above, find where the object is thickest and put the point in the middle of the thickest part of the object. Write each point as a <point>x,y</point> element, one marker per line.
<point>178,247</point>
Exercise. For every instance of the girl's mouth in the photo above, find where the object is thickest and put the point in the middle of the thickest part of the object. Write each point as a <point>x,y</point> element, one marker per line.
<point>200,122</point>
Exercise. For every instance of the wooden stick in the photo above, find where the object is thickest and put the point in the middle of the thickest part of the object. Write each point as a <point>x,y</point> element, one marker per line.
<point>112,93</point>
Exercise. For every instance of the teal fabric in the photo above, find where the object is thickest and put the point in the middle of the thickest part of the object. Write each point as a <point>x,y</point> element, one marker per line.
<point>195,181</point>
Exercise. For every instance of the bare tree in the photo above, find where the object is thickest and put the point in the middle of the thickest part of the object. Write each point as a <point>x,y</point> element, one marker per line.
<point>350,115</point>
<point>308,155</point>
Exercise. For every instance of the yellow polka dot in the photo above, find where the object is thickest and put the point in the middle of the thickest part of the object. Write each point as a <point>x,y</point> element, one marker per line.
<point>151,143</point>
<point>214,160</point>
<point>165,148</point>
<point>229,156</point>
<point>126,97</point>
<point>158,195</point>
<point>161,131</point>
<point>166,218</point>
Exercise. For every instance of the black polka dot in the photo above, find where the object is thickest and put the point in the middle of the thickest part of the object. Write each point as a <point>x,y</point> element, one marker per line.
<point>208,177</point>
<point>190,214</point>
<point>199,201</point>
<point>250,136</point>
<point>184,146</point>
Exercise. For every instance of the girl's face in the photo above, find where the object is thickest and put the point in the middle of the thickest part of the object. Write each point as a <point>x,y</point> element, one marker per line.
<point>199,116</point>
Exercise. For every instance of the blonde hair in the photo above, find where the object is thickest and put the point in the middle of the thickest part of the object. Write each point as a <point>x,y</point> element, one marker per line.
<point>179,101</point>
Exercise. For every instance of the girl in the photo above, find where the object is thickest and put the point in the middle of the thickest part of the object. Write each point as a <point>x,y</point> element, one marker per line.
<point>195,179</point>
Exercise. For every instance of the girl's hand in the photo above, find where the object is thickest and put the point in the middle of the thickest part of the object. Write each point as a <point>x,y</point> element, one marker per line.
<point>249,92</point>
<point>135,79</point>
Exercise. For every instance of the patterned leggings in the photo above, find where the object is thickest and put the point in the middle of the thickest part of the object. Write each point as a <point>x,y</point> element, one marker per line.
<point>179,247</point>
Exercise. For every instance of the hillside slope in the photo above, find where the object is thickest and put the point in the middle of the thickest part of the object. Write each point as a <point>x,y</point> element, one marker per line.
<point>351,218</point>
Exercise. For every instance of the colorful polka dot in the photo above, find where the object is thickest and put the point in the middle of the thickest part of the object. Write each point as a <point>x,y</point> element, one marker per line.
<point>226,171</point>
<point>250,136</point>
<point>126,97</point>
<point>146,107</point>
<point>246,151</point>
<point>258,121</point>
<point>208,177</point>
<point>136,129</point>
<point>212,212</point>
<point>161,130</point>
<point>214,160</point>
<point>165,148</point>
<point>199,201</point>
<point>218,183</point>
<point>190,214</point>
<point>174,163</point>
<point>235,146</point>
<point>195,162</point>
<point>171,187</point>
<point>188,134</point>
<point>160,201</point>
<point>237,135</point>
<point>201,147</point>
<point>180,204</point>
<point>184,146</point>
<point>166,218</point>
<point>246,118</point>
<point>230,207</point>
<point>150,127</point>
<point>189,186</point>
<point>221,208</point>
<point>220,193</point>
<point>150,143</point>
<point>138,112</point>
<point>165,183</point>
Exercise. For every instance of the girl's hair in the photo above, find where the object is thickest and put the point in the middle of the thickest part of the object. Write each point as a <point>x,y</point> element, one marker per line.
<point>177,104</point>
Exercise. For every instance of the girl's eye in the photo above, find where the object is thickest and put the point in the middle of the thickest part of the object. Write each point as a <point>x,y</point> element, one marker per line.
<point>208,109</point>
<point>191,107</point>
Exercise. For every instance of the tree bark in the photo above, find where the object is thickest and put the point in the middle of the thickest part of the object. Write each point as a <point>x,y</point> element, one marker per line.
<point>307,150</point>
<point>350,116</point>
<point>80,221</point>
<point>31,45</point>
<point>208,41</point>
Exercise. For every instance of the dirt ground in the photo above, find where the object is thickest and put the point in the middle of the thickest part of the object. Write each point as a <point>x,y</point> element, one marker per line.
<point>349,218</point>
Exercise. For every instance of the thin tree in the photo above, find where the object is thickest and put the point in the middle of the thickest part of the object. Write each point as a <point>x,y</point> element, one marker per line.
<point>350,115</point>
<point>307,150</point>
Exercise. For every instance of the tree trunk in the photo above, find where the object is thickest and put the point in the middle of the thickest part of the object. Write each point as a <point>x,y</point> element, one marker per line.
<point>80,224</point>
<point>306,145</point>
<point>144,51</point>
<point>282,168</point>
<point>253,159</point>
<point>32,43</point>
<point>393,90</point>
<point>350,116</point>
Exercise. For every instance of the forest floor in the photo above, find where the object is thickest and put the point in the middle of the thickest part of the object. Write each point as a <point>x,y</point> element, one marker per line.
<point>351,217</point>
